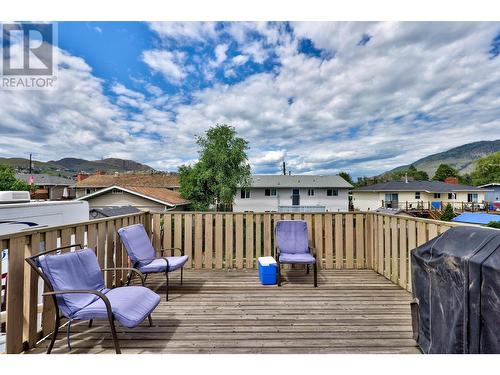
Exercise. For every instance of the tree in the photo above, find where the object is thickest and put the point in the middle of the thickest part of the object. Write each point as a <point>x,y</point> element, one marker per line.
<point>346,176</point>
<point>486,170</point>
<point>443,171</point>
<point>448,213</point>
<point>412,173</point>
<point>8,180</point>
<point>221,169</point>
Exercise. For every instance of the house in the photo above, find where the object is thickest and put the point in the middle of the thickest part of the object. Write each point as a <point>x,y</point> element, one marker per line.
<point>492,193</point>
<point>86,185</point>
<point>293,193</point>
<point>100,213</point>
<point>153,199</point>
<point>49,187</point>
<point>414,194</point>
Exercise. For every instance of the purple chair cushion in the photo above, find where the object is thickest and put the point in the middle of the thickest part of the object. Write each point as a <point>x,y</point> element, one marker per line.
<point>159,265</point>
<point>73,270</point>
<point>297,258</point>
<point>137,242</point>
<point>130,305</point>
<point>291,236</point>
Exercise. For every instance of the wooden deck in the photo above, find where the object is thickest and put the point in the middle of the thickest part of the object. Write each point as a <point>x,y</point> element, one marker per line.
<point>218,311</point>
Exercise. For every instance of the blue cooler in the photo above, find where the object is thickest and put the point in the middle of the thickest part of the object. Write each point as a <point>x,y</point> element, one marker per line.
<point>268,270</point>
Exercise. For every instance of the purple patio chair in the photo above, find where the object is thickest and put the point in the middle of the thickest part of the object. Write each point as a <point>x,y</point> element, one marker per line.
<point>75,282</point>
<point>143,255</point>
<point>292,246</point>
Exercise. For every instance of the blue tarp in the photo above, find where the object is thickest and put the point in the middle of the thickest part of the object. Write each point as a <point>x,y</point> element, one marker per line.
<point>476,218</point>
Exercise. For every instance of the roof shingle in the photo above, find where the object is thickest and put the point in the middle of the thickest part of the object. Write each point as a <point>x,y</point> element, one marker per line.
<point>158,180</point>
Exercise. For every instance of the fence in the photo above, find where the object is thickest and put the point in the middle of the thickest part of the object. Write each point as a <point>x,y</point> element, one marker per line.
<point>212,240</point>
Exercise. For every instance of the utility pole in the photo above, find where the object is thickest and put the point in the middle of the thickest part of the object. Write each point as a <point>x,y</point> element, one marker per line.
<point>284,168</point>
<point>30,163</point>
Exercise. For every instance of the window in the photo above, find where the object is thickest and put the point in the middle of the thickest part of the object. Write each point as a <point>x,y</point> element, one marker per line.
<point>437,195</point>
<point>87,191</point>
<point>116,191</point>
<point>452,196</point>
<point>472,198</point>
<point>332,192</point>
<point>417,195</point>
<point>270,192</point>
<point>310,192</point>
<point>245,193</point>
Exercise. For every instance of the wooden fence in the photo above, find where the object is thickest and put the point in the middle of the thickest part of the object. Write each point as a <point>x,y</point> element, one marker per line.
<point>212,240</point>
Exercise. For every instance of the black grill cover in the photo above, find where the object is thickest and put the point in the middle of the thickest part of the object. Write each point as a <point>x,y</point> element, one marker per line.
<point>456,282</point>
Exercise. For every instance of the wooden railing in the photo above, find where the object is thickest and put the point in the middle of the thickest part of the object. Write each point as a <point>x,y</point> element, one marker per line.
<point>23,324</point>
<point>393,239</point>
<point>212,240</point>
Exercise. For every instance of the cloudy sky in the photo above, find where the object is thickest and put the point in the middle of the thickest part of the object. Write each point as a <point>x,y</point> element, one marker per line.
<point>324,96</point>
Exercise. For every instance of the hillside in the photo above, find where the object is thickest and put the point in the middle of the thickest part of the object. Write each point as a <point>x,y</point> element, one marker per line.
<point>460,158</point>
<point>71,166</point>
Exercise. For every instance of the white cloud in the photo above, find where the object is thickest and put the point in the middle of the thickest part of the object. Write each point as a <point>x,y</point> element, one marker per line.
<point>168,63</point>
<point>220,53</point>
<point>240,59</point>
<point>185,31</point>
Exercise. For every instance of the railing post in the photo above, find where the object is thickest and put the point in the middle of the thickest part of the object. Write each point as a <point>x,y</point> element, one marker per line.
<point>15,295</point>
<point>30,311</point>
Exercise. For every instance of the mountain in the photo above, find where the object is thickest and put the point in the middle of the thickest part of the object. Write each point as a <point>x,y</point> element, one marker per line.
<point>461,158</point>
<point>71,166</point>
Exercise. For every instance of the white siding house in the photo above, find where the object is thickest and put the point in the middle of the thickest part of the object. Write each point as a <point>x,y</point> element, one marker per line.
<point>297,193</point>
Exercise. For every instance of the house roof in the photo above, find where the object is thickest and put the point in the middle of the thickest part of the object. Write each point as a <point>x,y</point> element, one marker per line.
<point>115,211</point>
<point>476,218</point>
<point>490,184</point>
<point>158,180</point>
<point>45,179</point>
<point>297,181</point>
<point>427,186</point>
<point>161,195</point>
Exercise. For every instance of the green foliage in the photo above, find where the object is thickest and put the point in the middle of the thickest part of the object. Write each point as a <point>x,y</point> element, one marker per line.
<point>494,224</point>
<point>221,168</point>
<point>9,182</point>
<point>346,176</point>
<point>487,170</point>
<point>443,171</point>
<point>412,173</point>
<point>465,179</point>
<point>448,213</point>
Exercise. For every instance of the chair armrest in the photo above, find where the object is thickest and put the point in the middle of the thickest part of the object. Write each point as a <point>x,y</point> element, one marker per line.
<point>95,292</point>
<point>172,248</point>
<point>141,260</point>
<point>312,250</point>
<point>135,270</point>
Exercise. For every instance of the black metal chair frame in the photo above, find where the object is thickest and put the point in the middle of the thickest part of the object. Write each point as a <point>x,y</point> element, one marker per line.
<point>162,251</point>
<point>53,293</point>
<point>312,251</point>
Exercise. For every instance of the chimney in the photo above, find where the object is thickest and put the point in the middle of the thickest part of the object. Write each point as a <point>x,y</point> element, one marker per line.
<point>406,177</point>
<point>81,176</point>
<point>100,173</point>
<point>451,180</point>
<point>284,168</point>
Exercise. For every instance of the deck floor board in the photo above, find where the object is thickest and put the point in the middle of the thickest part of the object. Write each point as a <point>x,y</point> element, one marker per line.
<point>219,311</point>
